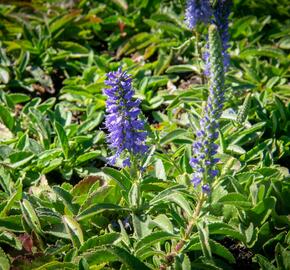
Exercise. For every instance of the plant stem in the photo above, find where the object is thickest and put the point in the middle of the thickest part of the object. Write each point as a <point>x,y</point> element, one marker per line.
<point>170,257</point>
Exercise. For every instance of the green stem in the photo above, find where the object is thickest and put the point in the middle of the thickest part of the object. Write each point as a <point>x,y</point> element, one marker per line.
<point>179,246</point>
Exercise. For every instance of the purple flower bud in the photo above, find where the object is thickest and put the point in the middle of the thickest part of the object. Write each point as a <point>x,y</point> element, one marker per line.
<point>213,173</point>
<point>196,181</point>
<point>206,189</point>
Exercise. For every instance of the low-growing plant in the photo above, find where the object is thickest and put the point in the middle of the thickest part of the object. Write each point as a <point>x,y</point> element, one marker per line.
<point>181,165</point>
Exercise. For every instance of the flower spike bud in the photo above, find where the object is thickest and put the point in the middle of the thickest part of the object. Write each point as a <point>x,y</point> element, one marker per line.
<point>221,14</point>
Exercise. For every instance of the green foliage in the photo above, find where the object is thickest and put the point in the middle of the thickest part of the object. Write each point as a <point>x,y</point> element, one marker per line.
<point>63,207</point>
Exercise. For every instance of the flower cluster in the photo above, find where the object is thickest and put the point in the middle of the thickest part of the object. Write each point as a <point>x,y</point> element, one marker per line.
<point>204,148</point>
<point>197,11</point>
<point>126,130</point>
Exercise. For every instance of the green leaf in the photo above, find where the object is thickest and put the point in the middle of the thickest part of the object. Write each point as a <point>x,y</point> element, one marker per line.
<point>95,241</point>
<point>122,3</point>
<point>163,222</point>
<point>204,240</point>
<point>74,230</point>
<point>261,212</point>
<point>62,138</point>
<point>18,98</point>
<point>235,149</point>
<point>139,41</point>
<point>282,257</point>
<point>220,250</point>
<point>6,117</point>
<point>12,223</point>
<point>106,254</point>
<point>96,209</point>
<point>134,195</point>
<point>30,216</point>
<point>183,69</point>
<point>179,199</point>
<point>216,248</point>
<point>54,265</point>
<point>4,261</point>
<point>284,43</point>
<point>118,177</point>
<point>159,170</point>
<point>67,198</point>
<point>10,239</point>
<point>4,75</point>
<point>236,199</point>
<point>166,193</point>
<point>127,259</point>
<point>18,159</point>
<point>59,23</point>
<point>225,229</point>
<point>141,225</point>
<point>172,135</point>
<point>83,264</point>
<point>264,263</point>
<point>152,239</point>
<point>263,51</point>
<point>16,196</point>
<point>73,47</point>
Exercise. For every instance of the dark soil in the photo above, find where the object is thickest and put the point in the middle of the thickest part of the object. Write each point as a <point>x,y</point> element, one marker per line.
<point>242,255</point>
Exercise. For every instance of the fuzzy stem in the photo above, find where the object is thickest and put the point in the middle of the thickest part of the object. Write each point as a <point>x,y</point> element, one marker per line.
<point>179,246</point>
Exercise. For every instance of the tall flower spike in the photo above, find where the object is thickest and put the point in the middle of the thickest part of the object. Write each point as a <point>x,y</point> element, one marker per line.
<point>126,131</point>
<point>204,148</point>
<point>197,11</point>
<point>221,12</point>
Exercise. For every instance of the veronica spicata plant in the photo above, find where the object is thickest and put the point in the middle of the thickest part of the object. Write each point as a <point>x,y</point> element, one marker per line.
<point>204,148</point>
<point>126,130</point>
